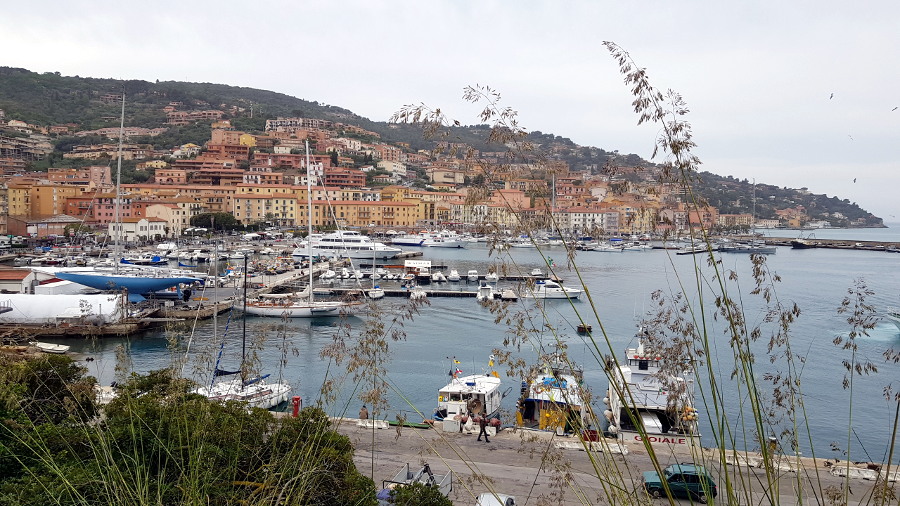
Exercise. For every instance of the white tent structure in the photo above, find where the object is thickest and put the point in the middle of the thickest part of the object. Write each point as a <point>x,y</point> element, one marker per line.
<point>62,308</point>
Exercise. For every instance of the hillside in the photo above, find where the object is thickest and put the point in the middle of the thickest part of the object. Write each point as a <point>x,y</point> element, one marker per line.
<point>51,99</point>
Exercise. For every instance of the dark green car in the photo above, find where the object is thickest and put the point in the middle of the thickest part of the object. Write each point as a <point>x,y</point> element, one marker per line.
<point>685,480</point>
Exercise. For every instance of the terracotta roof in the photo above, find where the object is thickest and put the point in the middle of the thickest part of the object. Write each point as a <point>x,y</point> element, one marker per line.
<point>13,275</point>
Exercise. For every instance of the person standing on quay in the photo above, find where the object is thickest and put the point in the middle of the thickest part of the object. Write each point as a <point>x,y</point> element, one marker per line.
<point>483,423</point>
<point>364,413</point>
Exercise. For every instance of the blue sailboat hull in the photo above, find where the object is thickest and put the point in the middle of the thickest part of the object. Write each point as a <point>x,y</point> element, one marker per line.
<point>134,284</point>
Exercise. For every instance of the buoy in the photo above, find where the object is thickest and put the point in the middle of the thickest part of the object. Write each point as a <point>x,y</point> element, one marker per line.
<point>606,401</point>
<point>608,414</point>
<point>495,422</point>
<point>613,429</point>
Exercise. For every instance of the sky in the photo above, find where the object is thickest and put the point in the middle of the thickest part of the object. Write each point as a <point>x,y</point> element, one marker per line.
<point>794,94</point>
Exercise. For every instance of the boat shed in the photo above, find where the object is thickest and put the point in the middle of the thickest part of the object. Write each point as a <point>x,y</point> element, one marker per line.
<point>16,280</point>
<point>62,308</point>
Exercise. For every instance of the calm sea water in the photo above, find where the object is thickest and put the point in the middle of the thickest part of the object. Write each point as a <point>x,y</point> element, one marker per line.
<point>620,285</point>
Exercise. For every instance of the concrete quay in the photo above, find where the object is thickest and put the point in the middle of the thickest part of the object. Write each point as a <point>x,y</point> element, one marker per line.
<point>538,467</point>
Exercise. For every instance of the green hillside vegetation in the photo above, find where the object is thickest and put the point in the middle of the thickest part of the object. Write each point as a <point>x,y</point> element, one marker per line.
<point>49,99</point>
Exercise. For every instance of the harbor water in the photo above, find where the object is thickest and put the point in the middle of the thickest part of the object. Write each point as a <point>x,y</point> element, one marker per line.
<point>620,287</point>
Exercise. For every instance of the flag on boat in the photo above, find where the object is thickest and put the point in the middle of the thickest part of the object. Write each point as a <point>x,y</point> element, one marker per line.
<point>455,361</point>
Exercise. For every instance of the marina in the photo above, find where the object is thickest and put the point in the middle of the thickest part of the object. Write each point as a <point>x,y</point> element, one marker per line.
<point>454,324</point>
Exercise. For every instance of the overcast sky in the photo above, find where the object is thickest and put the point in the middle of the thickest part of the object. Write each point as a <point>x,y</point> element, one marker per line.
<point>796,94</point>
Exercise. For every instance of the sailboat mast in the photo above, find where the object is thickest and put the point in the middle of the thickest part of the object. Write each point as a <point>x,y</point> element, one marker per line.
<point>244,322</point>
<point>118,217</point>
<point>309,222</point>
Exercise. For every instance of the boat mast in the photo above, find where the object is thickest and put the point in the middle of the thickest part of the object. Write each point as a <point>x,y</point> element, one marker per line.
<point>309,222</point>
<point>753,211</point>
<point>118,218</point>
<point>244,324</point>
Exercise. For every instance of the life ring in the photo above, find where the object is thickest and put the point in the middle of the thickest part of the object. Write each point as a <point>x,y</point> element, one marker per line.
<point>538,390</point>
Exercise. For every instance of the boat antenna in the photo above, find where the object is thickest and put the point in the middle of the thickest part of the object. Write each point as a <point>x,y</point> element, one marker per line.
<point>118,217</point>
<point>244,323</point>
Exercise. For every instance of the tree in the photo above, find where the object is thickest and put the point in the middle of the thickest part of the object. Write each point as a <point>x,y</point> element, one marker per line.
<point>222,221</point>
<point>419,494</point>
<point>152,434</point>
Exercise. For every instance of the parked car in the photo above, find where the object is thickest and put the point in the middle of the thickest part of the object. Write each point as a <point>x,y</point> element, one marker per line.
<point>489,499</point>
<point>685,480</point>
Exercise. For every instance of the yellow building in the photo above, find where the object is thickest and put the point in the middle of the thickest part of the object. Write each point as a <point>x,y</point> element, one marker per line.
<point>272,209</point>
<point>344,214</point>
<point>247,140</point>
<point>40,198</point>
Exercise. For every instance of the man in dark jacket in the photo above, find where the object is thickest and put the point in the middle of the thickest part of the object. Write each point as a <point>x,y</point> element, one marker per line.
<point>483,423</point>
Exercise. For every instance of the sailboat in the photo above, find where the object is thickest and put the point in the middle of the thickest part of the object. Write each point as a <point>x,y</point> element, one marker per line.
<point>376,292</point>
<point>137,280</point>
<point>256,392</point>
<point>305,305</point>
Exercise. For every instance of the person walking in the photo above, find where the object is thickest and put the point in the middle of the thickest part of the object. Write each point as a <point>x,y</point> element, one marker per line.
<point>483,423</point>
<point>364,413</point>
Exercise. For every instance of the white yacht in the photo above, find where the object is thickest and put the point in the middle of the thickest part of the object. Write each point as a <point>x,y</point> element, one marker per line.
<point>546,289</point>
<point>344,244</point>
<point>445,240</point>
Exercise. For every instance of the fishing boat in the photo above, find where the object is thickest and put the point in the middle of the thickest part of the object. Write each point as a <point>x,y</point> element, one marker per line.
<point>546,289</point>
<point>552,398</point>
<point>50,347</point>
<point>465,395</point>
<point>644,400</point>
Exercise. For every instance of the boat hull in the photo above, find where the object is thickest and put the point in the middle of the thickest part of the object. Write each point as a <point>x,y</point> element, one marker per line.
<point>316,309</point>
<point>258,395</point>
<point>134,284</point>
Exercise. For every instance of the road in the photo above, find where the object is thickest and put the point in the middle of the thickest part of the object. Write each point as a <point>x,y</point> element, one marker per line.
<point>529,466</point>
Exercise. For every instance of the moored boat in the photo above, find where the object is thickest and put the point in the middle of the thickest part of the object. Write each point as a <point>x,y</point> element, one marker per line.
<point>50,347</point>
<point>552,399</point>
<point>344,244</point>
<point>645,400</point>
<point>546,289</point>
<point>468,395</point>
